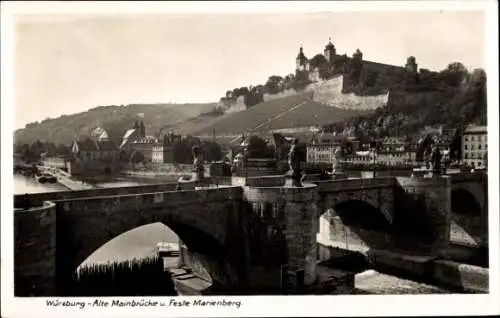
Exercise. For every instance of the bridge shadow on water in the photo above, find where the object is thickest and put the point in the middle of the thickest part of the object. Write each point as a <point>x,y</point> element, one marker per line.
<point>359,223</point>
<point>468,230</point>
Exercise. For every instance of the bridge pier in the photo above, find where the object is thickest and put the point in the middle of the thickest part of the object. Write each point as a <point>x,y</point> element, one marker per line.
<point>35,251</point>
<point>282,238</point>
<point>428,199</point>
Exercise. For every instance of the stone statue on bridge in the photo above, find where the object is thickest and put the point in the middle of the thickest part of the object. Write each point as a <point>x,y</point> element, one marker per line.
<point>294,173</point>
<point>338,158</point>
<point>198,168</point>
<point>436,160</point>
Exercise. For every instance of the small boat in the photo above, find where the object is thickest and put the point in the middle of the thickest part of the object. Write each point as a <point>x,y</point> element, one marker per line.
<point>46,178</point>
<point>167,249</point>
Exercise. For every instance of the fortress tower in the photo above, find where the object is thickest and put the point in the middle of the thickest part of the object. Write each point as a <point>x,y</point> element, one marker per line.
<point>411,64</point>
<point>330,51</point>
<point>302,63</point>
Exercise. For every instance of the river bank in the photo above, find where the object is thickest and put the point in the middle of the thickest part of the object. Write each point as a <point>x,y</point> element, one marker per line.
<point>65,179</point>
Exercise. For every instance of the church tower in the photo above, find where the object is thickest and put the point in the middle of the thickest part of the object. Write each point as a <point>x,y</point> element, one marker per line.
<point>330,51</point>
<point>301,61</point>
<point>142,130</point>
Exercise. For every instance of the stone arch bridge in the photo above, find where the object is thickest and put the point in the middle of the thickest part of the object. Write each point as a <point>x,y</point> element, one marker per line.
<point>228,230</point>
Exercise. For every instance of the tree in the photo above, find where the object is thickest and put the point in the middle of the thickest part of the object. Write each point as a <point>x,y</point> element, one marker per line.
<point>182,149</point>
<point>258,148</point>
<point>137,157</point>
<point>273,84</point>
<point>317,61</point>
<point>212,151</point>
<point>253,97</point>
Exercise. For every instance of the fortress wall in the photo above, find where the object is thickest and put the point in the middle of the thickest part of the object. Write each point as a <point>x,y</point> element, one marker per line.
<point>285,93</point>
<point>330,93</point>
<point>237,106</point>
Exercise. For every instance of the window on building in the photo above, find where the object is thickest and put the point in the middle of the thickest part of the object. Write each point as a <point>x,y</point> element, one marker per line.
<point>466,156</point>
<point>479,138</point>
<point>479,146</point>
<point>472,138</point>
<point>471,147</point>
<point>466,138</point>
<point>465,147</point>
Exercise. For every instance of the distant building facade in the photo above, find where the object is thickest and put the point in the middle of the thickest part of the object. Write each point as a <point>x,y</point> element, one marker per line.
<point>475,146</point>
<point>135,139</point>
<point>163,152</point>
<point>96,154</point>
<point>321,148</point>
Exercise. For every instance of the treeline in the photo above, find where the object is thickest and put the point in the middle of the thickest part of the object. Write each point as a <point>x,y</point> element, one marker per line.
<point>253,95</point>
<point>182,150</point>
<point>38,149</point>
<point>452,98</point>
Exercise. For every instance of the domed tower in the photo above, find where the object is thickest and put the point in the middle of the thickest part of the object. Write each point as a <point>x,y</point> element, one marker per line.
<point>358,55</point>
<point>330,51</point>
<point>301,61</point>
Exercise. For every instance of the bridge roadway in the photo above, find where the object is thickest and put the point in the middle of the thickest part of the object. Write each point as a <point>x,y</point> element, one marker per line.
<point>228,231</point>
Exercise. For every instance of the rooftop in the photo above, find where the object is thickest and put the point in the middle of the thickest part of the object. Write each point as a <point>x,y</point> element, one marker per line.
<point>476,129</point>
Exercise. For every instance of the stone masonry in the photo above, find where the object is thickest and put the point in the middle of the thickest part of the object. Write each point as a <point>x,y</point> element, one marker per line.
<point>244,237</point>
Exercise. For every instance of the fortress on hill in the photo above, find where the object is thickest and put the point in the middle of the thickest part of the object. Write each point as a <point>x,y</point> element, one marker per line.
<point>361,77</point>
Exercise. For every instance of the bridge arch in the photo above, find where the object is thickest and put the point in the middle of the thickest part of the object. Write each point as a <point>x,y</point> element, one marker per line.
<point>463,202</point>
<point>354,225</point>
<point>467,226</point>
<point>199,218</point>
<point>471,193</point>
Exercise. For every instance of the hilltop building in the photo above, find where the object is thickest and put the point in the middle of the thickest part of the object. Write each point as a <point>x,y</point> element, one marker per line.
<point>338,64</point>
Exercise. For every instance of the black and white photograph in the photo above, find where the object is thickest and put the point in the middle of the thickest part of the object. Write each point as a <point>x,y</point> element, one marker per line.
<point>166,160</point>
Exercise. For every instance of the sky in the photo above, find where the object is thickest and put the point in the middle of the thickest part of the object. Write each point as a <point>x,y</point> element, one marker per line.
<point>68,64</point>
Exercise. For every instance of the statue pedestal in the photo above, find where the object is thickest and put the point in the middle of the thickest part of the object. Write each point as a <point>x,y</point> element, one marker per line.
<point>197,179</point>
<point>293,179</point>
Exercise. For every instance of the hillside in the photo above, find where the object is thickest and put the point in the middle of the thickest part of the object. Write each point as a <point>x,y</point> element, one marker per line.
<point>288,112</point>
<point>114,119</point>
<point>452,102</point>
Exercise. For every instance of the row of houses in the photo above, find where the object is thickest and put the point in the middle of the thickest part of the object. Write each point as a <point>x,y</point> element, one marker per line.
<point>99,153</point>
<point>395,151</point>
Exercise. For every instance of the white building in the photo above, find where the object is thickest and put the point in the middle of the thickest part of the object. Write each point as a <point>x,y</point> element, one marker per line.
<point>475,145</point>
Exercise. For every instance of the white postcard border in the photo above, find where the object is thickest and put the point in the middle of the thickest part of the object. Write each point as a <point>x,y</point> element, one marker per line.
<point>256,305</point>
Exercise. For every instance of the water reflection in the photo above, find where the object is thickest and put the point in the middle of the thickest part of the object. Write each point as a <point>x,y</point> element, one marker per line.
<point>31,185</point>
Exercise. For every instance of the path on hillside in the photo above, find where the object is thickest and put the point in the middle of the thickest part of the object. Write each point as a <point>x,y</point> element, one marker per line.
<point>269,120</point>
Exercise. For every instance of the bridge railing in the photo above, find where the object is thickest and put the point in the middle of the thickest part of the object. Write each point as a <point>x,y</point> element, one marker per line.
<point>355,184</point>
<point>38,198</point>
<point>465,177</point>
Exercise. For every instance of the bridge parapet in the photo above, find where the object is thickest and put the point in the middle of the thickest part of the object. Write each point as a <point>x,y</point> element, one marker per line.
<point>38,198</point>
<point>355,184</point>
<point>467,177</point>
